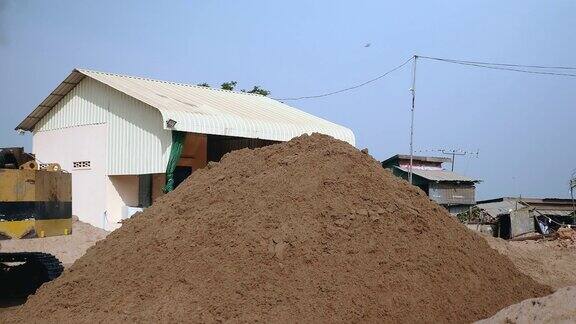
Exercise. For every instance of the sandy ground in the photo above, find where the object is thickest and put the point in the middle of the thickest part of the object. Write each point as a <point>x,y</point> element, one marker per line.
<point>560,307</point>
<point>549,262</point>
<point>66,248</point>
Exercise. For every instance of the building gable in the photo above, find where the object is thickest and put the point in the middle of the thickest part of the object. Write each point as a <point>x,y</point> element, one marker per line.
<point>85,104</point>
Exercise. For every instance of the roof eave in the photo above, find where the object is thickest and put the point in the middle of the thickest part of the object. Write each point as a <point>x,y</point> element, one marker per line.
<point>51,100</point>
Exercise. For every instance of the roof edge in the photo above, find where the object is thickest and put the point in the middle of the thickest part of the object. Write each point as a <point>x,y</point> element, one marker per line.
<point>65,86</point>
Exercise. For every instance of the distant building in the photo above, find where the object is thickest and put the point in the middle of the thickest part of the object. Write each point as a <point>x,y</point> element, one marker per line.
<point>455,192</point>
<point>513,216</point>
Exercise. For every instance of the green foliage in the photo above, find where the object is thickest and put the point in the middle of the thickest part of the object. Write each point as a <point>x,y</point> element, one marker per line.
<point>228,85</point>
<point>473,215</point>
<point>258,90</point>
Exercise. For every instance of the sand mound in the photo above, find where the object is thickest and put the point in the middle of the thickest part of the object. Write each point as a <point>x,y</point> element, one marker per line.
<point>311,229</point>
<point>560,307</point>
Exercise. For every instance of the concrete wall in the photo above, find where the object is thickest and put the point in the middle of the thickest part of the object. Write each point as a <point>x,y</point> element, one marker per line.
<point>73,144</point>
<point>120,191</point>
<point>158,182</point>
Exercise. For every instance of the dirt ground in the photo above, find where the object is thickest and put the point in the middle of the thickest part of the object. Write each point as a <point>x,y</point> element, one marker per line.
<point>551,262</point>
<point>559,307</point>
<point>66,248</point>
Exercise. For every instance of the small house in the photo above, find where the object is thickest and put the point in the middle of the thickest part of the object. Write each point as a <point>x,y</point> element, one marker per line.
<point>454,191</point>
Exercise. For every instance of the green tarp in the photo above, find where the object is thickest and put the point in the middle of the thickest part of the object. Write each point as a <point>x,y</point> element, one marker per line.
<point>177,144</point>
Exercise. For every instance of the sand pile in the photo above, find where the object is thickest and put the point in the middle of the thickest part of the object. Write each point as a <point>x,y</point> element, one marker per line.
<point>311,229</point>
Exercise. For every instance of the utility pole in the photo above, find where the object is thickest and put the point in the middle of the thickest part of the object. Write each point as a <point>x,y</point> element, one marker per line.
<point>572,186</point>
<point>413,91</point>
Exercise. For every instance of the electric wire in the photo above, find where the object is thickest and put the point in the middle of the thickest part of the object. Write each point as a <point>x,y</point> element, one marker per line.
<point>519,68</point>
<point>502,66</point>
<point>349,88</point>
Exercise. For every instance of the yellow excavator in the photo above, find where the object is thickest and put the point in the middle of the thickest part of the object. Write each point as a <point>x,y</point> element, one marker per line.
<point>35,202</point>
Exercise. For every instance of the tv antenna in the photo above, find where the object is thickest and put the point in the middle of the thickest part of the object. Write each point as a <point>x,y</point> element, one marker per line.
<point>454,153</point>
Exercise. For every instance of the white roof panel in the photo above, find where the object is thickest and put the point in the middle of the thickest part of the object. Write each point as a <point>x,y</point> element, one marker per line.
<point>212,111</point>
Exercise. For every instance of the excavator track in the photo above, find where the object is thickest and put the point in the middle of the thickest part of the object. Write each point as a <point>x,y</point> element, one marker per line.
<point>22,273</point>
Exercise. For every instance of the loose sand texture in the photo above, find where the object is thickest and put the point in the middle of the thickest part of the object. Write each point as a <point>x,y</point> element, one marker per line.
<point>311,230</point>
<point>67,248</point>
<point>550,262</point>
<point>560,307</point>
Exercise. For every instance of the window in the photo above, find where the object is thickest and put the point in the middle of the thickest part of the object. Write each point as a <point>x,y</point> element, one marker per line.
<point>81,165</point>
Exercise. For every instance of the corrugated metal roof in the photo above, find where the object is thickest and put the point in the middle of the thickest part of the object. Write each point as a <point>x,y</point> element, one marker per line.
<point>53,98</point>
<point>204,110</point>
<point>505,206</point>
<point>554,212</point>
<point>439,175</point>
<point>397,157</point>
<point>500,207</point>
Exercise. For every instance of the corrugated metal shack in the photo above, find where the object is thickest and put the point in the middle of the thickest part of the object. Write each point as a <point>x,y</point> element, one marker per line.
<point>454,191</point>
<point>512,217</point>
<point>116,134</point>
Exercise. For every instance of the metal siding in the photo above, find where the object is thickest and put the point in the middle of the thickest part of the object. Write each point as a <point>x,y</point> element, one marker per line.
<point>83,105</point>
<point>521,222</point>
<point>137,143</point>
<point>452,194</point>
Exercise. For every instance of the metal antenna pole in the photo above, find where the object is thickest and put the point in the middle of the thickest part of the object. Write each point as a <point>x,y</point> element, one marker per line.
<point>413,91</point>
<point>453,153</point>
<point>572,186</point>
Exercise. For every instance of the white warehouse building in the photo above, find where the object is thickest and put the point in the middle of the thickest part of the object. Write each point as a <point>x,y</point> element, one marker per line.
<point>116,135</point>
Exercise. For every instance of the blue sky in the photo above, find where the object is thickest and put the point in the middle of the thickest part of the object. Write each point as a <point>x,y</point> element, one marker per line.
<point>523,125</point>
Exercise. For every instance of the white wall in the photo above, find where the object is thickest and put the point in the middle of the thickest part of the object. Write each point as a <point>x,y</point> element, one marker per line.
<point>120,191</point>
<point>83,143</point>
<point>123,191</point>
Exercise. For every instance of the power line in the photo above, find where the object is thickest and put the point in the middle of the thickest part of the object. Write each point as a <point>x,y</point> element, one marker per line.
<point>501,66</point>
<point>504,64</point>
<point>349,88</point>
<point>520,68</point>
